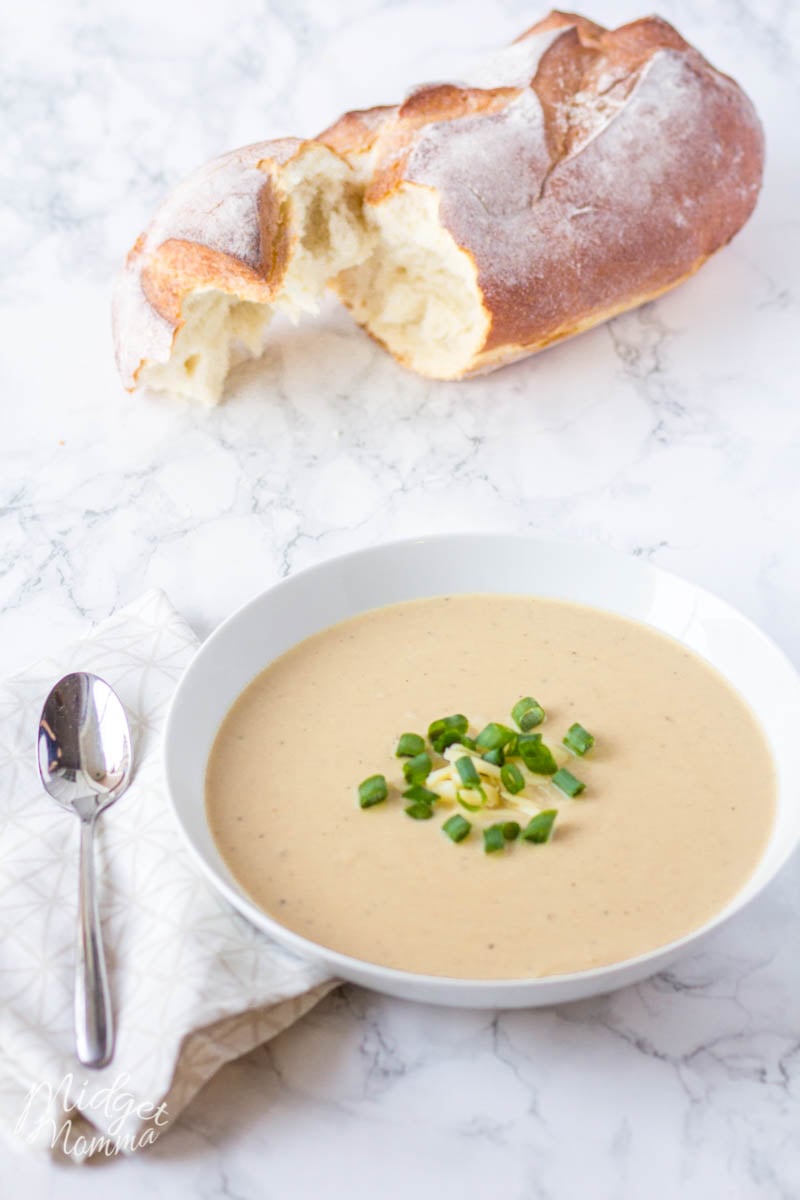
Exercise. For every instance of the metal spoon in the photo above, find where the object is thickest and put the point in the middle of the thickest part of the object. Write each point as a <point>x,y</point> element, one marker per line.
<point>84,750</point>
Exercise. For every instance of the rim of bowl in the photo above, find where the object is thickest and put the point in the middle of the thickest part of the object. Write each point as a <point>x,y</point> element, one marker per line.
<point>316,951</point>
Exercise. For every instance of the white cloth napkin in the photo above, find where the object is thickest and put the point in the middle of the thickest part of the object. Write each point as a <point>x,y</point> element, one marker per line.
<point>193,984</point>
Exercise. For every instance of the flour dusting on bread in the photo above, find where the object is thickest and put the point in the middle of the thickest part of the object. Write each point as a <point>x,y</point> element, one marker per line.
<point>574,175</point>
<point>258,231</point>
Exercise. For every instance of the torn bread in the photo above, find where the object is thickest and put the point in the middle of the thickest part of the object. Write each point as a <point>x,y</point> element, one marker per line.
<point>576,174</point>
<point>259,230</point>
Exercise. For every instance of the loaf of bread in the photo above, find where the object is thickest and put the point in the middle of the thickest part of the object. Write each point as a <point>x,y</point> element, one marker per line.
<point>576,174</point>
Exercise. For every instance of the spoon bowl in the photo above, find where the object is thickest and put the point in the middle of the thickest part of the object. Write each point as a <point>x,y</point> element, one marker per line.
<point>84,742</point>
<point>85,763</point>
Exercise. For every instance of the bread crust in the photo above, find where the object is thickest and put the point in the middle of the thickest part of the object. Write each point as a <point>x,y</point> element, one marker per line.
<point>581,172</point>
<point>357,132</point>
<point>224,227</point>
<point>608,178</point>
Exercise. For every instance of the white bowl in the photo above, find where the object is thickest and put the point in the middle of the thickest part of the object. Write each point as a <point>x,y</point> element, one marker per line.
<point>313,599</point>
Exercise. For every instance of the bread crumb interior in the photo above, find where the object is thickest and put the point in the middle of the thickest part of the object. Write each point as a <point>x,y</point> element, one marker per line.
<point>417,293</point>
<point>392,263</point>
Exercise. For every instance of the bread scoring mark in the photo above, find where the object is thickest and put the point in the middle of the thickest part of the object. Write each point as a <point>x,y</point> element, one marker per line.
<point>582,173</point>
<point>633,162</point>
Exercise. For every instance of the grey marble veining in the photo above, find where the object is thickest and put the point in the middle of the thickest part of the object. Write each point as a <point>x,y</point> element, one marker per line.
<point>672,432</point>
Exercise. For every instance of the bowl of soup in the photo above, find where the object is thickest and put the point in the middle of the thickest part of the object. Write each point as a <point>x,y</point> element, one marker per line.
<point>486,769</point>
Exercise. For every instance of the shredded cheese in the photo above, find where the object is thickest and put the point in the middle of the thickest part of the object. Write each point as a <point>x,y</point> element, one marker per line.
<point>535,796</point>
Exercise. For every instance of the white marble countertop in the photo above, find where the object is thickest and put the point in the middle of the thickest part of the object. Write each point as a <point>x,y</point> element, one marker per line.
<point>673,432</point>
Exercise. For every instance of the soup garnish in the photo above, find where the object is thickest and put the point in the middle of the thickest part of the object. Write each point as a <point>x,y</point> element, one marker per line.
<point>527,713</point>
<point>409,745</point>
<point>578,740</point>
<point>477,774</point>
<point>540,827</point>
<point>567,783</point>
<point>457,827</point>
<point>372,791</point>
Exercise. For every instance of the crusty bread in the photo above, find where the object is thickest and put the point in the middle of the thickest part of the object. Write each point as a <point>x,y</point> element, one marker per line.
<point>576,174</point>
<point>258,230</point>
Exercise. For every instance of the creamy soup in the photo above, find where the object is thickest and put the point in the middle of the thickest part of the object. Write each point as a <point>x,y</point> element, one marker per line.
<point>677,810</point>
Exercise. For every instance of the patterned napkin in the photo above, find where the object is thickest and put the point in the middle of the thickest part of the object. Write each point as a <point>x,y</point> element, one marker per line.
<point>193,984</point>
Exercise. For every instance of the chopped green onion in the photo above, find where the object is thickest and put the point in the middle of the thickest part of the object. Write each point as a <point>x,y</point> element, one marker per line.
<point>494,736</point>
<point>497,744</point>
<point>448,738</point>
<point>446,731</point>
<point>540,828</point>
<point>536,756</point>
<point>372,791</point>
<point>420,812</point>
<point>566,782</point>
<point>409,745</point>
<point>468,772</point>
<point>458,722</point>
<point>493,839</point>
<point>471,791</point>
<point>512,778</point>
<point>419,794</point>
<point>533,717</point>
<point>528,713</point>
<point>578,739</point>
<point>418,768</point>
<point>456,827</point>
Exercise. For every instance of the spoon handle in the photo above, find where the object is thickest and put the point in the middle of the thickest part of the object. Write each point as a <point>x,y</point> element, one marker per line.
<point>94,1023</point>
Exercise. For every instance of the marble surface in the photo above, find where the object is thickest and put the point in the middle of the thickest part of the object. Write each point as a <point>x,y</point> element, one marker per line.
<point>673,432</point>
